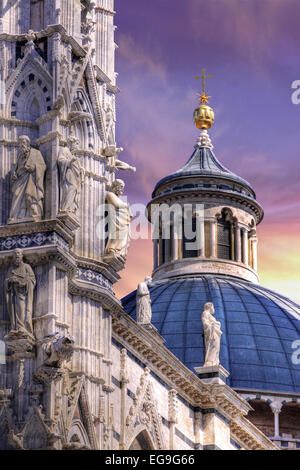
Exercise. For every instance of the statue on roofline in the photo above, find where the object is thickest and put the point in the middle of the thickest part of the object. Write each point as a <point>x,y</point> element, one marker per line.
<point>212,335</point>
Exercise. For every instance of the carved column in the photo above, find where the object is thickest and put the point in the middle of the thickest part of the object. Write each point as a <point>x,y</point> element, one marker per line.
<point>176,234</point>
<point>200,224</point>
<point>254,252</point>
<point>238,244</point>
<point>276,408</point>
<point>197,429</point>
<point>213,246</point>
<point>174,246</point>
<point>155,253</point>
<point>167,250</point>
<point>124,381</point>
<point>245,245</point>
<point>172,412</point>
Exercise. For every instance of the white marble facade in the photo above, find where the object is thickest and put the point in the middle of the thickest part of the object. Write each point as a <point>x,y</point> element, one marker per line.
<point>88,377</point>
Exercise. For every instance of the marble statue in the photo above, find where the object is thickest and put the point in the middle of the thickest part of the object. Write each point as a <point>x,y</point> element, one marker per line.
<point>19,286</point>
<point>119,216</point>
<point>71,177</point>
<point>212,335</point>
<point>27,183</point>
<point>112,153</point>
<point>110,122</point>
<point>143,303</point>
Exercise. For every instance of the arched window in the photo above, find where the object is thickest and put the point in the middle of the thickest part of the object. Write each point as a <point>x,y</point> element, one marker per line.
<point>289,422</point>
<point>224,237</point>
<point>188,252</point>
<point>82,120</point>
<point>262,416</point>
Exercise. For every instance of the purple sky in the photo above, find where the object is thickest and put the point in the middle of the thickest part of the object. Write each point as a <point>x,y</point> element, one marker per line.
<point>252,48</point>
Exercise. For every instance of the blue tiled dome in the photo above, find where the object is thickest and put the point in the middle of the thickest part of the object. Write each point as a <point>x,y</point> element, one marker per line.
<point>259,327</point>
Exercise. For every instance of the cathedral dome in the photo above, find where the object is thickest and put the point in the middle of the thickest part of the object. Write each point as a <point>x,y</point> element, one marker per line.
<point>259,327</point>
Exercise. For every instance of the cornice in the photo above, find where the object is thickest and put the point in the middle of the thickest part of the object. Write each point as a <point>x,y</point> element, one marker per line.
<point>249,435</point>
<point>37,227</point>
<point>99,266</point>
<point>48,32</point>
<point>42,255</point>
<point>99,9</point>
<point>192,267</point>
<point>10,121</point>
<point>95,292</point>
<point>213,195</point>
<point>48,138</point>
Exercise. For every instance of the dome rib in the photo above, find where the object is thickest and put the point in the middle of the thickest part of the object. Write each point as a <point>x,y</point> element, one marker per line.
<point>252,329</point>
<point>185,324</point>
<point>169,303</point>
<point>279,338</point>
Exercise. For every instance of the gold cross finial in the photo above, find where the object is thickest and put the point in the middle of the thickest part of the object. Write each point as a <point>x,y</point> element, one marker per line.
<point>203,77</point>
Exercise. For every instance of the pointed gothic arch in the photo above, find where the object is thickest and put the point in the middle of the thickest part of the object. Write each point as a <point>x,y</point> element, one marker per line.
<point>79,420</point>
<point>143,416</point>
<point>82,120</point>
<point>142,441</point>
<point>6,424</point>
<point>78,435</point>
<point>30,91</point>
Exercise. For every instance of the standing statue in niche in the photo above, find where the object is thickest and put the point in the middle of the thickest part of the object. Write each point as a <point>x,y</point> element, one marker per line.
<point>143,303</point>
<point>19,286</point>
<point>27,183</point>
<point>212,335</point>
<point>119,216</point>
<point>71,177</point>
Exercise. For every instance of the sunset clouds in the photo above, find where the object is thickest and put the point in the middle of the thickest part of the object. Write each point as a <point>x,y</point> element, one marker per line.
<point>252,49</point>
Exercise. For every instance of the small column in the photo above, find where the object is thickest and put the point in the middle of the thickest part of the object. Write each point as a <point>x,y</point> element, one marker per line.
<point>276,408</point>
<point>238,246</point>
<point>254,252</point>
<point>155,253</point>
<point>172,415</point>
<point>124,381</point>
<point>167,250</point>
<point>161,250</point>
<point>245,245</point>
<point>213,250</point>
<point>174,247</point>
<point>200,225</point>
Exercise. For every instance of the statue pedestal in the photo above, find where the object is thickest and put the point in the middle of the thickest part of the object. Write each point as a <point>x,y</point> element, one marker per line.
<point>151,328</point>
<point>117,262</point>
<point>212,374</point>
<point>19,346</point>
<point>70,220</point>
<point>24,220</point>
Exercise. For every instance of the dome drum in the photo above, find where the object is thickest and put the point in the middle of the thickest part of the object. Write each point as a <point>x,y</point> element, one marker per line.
<point>215,239</point>
<point>201,265</point>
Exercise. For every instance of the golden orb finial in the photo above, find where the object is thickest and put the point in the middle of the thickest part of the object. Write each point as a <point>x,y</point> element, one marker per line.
<point>203,115</point>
